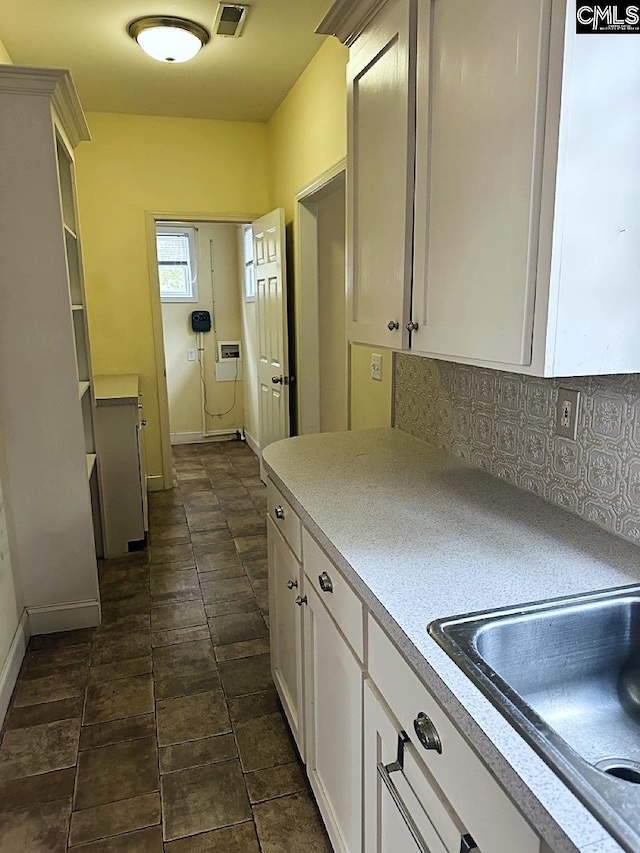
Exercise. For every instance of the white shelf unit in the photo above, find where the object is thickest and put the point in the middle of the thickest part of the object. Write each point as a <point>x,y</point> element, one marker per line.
<point>44,347</point>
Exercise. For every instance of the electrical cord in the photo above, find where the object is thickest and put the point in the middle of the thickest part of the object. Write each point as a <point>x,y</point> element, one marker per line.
<point>199,351</point>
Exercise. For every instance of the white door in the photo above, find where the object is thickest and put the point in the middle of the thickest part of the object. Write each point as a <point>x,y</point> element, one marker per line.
<point>273,340</point>
<point>333,725</point>
<point>286,628</point>
<point>381,95</point>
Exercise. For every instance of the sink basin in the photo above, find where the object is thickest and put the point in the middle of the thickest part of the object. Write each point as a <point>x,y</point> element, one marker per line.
<point>566,674</point>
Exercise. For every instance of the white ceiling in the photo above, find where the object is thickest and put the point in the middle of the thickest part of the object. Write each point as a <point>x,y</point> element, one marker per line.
<point>241,79</point>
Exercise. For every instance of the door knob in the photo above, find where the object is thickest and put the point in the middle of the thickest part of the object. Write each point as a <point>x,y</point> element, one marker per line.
<point>412,327</point>
<point>392,325</point>
<point>292,584</point>
<point>279,512</point>
<point>277,380</point>
<point>426,731</point>
<point>300,600</point>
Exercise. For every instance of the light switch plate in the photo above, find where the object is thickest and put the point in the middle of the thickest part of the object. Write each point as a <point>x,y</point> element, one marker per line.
<point>191,355</point>
<point>567,410</point>
<point>376,366</point>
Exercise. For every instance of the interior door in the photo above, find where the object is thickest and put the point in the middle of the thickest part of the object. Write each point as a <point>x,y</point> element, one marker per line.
<point>273,341</point>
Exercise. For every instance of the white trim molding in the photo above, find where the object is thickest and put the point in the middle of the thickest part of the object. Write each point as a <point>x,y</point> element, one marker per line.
<point>11,668</point>
<point>155,482</point>
<point>48,618</point>
<point>196,437</point>
<point>59,86</point>
<point>252,443</point>
<point>347,18</point>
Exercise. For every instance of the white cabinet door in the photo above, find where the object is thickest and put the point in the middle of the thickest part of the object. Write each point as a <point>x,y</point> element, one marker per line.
<point>481,109</point>
<point>381,116</point>
<point>286,629</point>
<point>333,725</point>
<point>402,811</point>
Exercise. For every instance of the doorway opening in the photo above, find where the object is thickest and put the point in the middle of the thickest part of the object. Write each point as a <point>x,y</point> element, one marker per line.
<point>323,359</point>
<point>200,284</point>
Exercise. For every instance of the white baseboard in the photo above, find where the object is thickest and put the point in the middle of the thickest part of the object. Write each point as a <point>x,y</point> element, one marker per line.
<point>11,668</point>
<point>252,443</point>
<point>64,617</point>
<point>155,482</point>
<point>196,437</point>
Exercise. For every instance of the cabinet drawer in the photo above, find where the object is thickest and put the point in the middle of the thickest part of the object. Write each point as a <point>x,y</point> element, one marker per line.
<point>478,800</point>
<point>336,594</point>
<point>284,519</point>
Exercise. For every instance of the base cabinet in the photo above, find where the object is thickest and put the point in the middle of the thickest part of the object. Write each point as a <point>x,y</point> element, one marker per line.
<point>333,720</point>
<point>286,629</point>
<point>403,808</point>
<point>359,714</point>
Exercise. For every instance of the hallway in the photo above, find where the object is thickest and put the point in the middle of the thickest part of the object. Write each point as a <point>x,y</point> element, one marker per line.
<point>161,730</point>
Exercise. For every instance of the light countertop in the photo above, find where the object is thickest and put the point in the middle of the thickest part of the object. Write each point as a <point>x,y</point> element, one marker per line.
<point>116,389</point>
<point>422,535</point>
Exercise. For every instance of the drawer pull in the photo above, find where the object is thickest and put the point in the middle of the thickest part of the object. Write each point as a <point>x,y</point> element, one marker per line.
<point>385,771</point>
<point>292,584</point>
<point>326,584</point>
<point>279,512</point>
<point>426,732</point>
<point>393,325</point>
<point>300,600</point>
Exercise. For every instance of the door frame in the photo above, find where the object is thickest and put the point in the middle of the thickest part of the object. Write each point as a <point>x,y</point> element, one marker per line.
<point>151,218</point>
<point>306,299</point>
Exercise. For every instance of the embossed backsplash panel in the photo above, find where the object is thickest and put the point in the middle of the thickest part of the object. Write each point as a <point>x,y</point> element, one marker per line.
<point>505,423</point>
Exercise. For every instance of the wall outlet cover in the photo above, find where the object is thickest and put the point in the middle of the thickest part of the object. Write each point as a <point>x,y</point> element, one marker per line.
<point>567,410</point>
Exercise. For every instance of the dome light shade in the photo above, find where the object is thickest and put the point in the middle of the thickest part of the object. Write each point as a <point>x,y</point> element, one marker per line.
<point>168,39</point>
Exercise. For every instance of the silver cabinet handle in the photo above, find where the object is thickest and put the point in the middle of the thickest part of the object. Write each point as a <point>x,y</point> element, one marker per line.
<point>427,733</point>
<point>300,600</point>
<point>412,327</point>
<point>392,325</point>
<point>279,512</point>
<point>385,771</point>
<point>326,584</point>
<point>292,584</point>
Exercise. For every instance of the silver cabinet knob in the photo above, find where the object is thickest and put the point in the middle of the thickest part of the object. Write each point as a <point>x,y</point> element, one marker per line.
<point>300,600</point>
<point>277,380</point>
<point>392,325</point>
<point>292,584</point>
<point>279,512</point>
<point>326,584</point>
<point>143,422</point>
<point>426,731</point>
<point>412,327</point>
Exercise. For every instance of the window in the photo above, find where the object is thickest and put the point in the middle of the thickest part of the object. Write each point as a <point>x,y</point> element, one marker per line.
<point>249,266</point>
<point>176,264</point>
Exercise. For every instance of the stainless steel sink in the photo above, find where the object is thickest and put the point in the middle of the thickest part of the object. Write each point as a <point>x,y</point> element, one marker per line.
<point>566,674</point>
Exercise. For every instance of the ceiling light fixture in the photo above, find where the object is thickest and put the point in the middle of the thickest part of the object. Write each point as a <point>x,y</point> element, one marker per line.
<point>168,39</point>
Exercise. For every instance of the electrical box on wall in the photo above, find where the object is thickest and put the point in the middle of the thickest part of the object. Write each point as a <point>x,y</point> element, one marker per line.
<point>229,363</point>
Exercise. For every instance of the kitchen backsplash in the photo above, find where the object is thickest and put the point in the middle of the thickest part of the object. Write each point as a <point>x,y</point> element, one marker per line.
<point>505,423</point>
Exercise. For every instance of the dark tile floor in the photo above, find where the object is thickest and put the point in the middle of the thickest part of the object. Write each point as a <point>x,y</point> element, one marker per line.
<point>161,730</point>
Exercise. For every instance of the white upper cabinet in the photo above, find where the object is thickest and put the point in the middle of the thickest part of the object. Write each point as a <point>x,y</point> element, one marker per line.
<point>478,173</point>
<point>381,95</point>
<point>526,248</point>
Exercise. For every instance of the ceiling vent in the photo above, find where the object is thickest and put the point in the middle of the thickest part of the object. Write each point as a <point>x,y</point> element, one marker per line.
<point>230,20</point>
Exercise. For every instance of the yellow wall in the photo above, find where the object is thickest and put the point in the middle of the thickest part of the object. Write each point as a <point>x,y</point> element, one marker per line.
<point>370,398</point>
<point>5,59</point>
<point>308,132</point>
<point>144,163</point>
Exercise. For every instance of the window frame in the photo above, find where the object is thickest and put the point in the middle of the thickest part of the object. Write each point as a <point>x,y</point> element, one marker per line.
<point>249,266</point>
<point>188,231</point>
